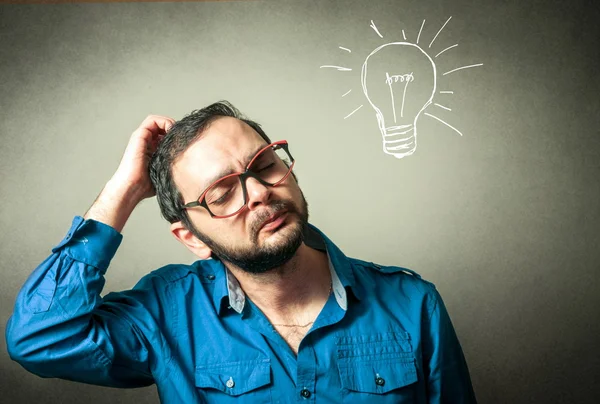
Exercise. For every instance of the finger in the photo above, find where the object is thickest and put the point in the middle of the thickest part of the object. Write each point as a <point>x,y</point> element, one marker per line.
<point>153,128</point>
<point>157,123</point>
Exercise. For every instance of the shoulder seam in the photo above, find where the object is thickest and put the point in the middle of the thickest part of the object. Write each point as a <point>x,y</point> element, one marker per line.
<point>175,272</point>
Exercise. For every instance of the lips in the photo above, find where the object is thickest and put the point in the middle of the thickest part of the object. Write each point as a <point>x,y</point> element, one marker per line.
<point>273,222</point>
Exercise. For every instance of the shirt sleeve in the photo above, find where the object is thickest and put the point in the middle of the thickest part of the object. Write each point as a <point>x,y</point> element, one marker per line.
<point>62,327</point>
<point>445,367</point>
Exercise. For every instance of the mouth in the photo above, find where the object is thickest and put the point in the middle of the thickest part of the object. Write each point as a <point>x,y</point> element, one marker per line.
<point>274,221</point>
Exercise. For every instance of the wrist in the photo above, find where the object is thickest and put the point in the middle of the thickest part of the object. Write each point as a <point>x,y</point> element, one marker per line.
<point>126,194</point>
<point>115,204</point>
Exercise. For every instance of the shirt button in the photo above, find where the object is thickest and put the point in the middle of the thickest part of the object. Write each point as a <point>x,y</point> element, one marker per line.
<point>305,393</point>
<point>210,277</point>
<point>230,383</point>
<point>380,381</point>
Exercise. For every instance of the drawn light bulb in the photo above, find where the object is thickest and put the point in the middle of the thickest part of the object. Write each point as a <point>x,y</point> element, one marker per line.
<point>399,81</point>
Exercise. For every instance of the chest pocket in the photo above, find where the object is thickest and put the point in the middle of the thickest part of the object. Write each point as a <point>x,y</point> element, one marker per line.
<point>234,381</point>
<point>377,368</point>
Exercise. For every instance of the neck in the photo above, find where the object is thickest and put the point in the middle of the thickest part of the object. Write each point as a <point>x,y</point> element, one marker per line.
<point>292,292</point>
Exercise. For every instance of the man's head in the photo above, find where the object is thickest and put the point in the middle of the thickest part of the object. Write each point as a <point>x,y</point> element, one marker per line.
<point>200,149</point>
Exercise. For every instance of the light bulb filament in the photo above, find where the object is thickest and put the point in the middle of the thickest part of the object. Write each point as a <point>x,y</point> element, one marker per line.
<point>398,78</point>
<point>403,78</point>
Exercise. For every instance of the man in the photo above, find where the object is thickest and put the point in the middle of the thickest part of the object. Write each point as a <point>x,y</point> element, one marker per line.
<point>272,312</point>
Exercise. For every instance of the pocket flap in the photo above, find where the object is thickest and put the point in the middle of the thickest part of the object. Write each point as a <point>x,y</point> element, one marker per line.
<point>234,378</point>
<point>378,377</point>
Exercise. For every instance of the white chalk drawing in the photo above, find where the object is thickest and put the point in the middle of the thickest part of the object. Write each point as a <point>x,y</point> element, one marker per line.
<point>340,68</point>
<point>399,93</point>
<point>375,29</point>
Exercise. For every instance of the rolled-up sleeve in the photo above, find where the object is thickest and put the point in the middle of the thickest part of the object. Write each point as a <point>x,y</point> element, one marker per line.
<point>448,379</point>
<point>62,327</point>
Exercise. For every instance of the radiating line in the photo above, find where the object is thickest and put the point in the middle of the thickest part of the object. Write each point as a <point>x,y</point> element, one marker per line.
<point>346,93</point>
<point>353,112</point>
<point>375,28</point>
<point>446,92</point>
<point>449,47</point>
<point>342,69</point>
<point>441,106</point>
<point>419,36</point>
<point>460,68</point>
<point>404,35</point>
<point>448,125</point>
<point>346,49</point>
<point>436,35</point>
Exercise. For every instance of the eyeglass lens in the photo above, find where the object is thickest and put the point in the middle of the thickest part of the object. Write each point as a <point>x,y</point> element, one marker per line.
<point>226,196</point>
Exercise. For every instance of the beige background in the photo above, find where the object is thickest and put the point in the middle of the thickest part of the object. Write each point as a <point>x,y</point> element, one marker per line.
<point>504,220</point>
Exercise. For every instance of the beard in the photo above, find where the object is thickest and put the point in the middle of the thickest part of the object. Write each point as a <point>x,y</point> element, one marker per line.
<point>257,259</point>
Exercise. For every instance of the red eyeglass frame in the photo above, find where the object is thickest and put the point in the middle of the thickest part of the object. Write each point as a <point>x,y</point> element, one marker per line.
<point>243,176</point>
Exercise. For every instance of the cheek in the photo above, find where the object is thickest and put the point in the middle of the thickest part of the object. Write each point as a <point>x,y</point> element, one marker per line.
<point>233,230</point>
<point>208,226</point>
<point>297,195</point>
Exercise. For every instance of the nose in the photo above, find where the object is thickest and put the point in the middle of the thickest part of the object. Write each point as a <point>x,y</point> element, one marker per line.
<point>258,194</point>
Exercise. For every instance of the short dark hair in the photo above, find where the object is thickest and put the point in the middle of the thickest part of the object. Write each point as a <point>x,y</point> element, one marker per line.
<point>181,135</point>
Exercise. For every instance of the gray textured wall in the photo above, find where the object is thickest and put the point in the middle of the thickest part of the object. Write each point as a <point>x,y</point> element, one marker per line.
<point>504,220</point>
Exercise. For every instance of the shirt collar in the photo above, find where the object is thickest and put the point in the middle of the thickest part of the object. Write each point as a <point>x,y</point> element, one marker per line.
<point>342,276</point>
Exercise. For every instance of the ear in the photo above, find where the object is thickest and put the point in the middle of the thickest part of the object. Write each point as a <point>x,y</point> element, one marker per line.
<point>187,238</point>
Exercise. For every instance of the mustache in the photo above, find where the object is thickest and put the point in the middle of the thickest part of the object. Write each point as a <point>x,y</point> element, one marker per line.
<point>273,208</point>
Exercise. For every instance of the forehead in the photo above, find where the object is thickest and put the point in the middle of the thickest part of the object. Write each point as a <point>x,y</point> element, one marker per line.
<point>224,145</point>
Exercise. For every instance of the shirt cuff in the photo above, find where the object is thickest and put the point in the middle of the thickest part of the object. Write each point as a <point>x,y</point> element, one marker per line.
<point>91,242</point>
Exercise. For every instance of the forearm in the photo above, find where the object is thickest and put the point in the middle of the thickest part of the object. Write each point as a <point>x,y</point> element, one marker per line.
<point>115,204</point>
<point>131,181</point>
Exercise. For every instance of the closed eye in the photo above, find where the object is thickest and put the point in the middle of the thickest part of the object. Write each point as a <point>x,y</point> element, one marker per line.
<point>265,168</point>
<point>222,199</point>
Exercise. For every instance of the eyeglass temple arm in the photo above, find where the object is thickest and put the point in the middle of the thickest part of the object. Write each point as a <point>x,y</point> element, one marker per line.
<point>192,204</point>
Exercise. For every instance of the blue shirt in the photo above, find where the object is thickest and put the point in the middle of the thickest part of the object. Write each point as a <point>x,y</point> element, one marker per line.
<point>384,335</point>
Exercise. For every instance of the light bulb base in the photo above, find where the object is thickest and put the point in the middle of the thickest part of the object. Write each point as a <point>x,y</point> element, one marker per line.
<point>399,141</point>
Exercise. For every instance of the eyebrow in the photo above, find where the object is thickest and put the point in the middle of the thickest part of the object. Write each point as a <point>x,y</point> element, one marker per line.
<point>227,171</point>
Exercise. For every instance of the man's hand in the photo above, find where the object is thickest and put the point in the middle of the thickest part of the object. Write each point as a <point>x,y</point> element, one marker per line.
<point>130,184</point>
<point>132,174</point>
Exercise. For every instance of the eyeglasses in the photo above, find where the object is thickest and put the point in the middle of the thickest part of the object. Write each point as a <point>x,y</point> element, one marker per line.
<point>228,195</point>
